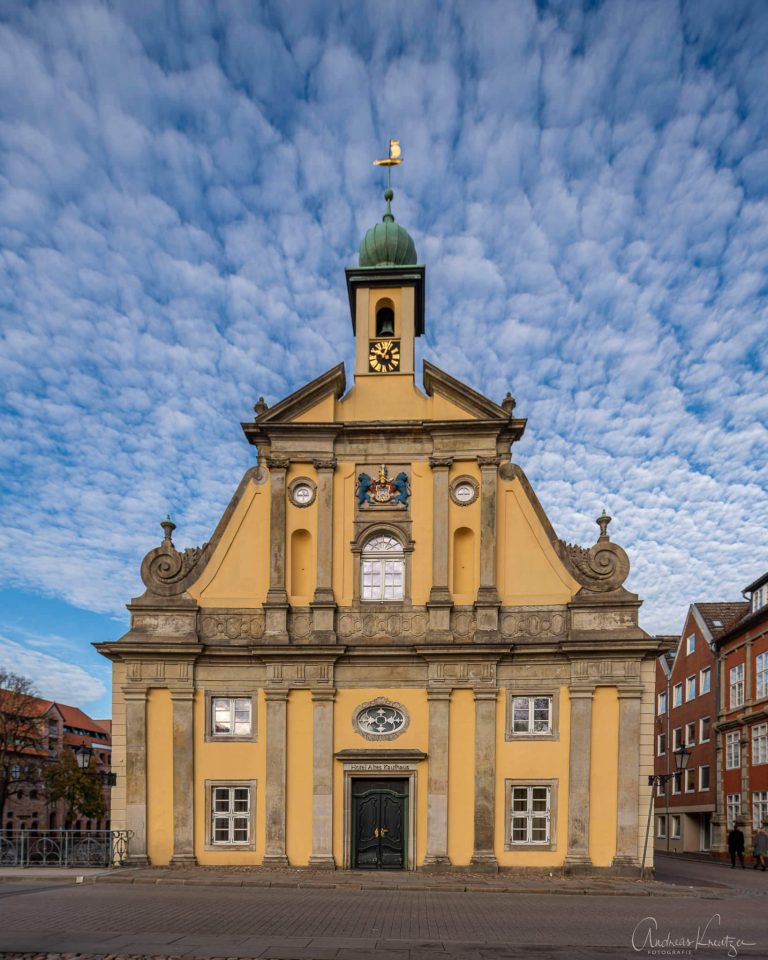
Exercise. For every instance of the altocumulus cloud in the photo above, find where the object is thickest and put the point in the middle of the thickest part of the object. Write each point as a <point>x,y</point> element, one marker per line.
<point>181,185</point>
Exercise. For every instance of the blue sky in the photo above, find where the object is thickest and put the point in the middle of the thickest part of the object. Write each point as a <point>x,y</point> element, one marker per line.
<point>182,184</point>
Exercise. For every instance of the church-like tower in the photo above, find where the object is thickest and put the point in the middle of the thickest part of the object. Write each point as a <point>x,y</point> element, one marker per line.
<point>384,657</point>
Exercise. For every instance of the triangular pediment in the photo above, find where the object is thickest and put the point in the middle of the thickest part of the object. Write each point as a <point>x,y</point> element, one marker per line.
<point>331,383</point>
<point>439,383</point>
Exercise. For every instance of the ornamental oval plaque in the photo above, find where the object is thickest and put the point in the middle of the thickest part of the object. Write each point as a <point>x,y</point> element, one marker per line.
<point>380,719</point>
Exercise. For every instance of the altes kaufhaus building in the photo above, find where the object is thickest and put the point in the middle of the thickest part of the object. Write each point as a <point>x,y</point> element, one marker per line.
<point>384,657</point>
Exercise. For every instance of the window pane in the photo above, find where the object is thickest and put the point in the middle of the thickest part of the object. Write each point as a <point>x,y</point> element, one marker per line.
<point>539,829</point>
<point>241,800</point>
<point>520,714</point>
<point>220,830</point>
<point>240,830</point>
<point>519,829</point>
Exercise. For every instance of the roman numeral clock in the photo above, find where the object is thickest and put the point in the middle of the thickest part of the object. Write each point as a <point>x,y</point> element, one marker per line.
<point>384,356</point>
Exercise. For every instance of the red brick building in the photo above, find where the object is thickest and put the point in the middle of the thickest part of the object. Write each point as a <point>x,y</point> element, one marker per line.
<point>742,727</point>
<point>686,713</point>
<point>61,727</point>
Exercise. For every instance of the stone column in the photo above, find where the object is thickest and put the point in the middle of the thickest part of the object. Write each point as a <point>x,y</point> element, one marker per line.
<point>440,602</point>
<point>487,604</point>
<point>276,604</point>
<point>322,779</point>
<point>630,699</point>
<point>745,804</point>
<point>323,604</point>
<point>484,856</point>
<point>437,780</point>
<point>183,702</point>
<point>577,858</point>
<point>719,818</point>
<point>136,774</point>
<point>277,742</point>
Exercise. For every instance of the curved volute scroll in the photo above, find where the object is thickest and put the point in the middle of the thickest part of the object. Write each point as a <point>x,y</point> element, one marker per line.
<point>165,571</point>
<point>601,568</point>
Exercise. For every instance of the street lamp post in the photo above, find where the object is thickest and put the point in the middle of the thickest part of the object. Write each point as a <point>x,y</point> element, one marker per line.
<point>83,756</point>
<point>682,756</point>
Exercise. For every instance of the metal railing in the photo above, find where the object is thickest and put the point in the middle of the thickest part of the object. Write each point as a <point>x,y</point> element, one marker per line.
<point>63,848</point>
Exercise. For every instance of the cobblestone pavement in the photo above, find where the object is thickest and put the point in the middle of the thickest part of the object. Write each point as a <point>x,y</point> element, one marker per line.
<point>373,924</point>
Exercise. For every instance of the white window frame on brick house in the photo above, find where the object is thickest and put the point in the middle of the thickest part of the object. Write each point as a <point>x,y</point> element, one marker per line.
<point>677,738</point>
<point>661,788</point>
<point>690,644</point>
<point>661,826</point>
<point>732,750</point>
<point>690,734</point>
<point>677,695</point>
<point>732,808</point>
<point>736,686</point>
<point>761,675</point>
<point>661,703</point>
<point>230,814</point>
<point>759,744</point>
<point>690,688</point>
<point>704,777</point>
<point>759,808</point>
<point>705,729</point>
<point>690,780</point>
<point>676,784</point>
<point>705,680</point>
<point>661,744</point>
<point>674,827</point>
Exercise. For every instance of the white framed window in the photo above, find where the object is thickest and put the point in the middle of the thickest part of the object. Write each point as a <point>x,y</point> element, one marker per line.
<point>677,695</point>
<point>231,717</point>
<point>705,680</point>
<point>529,814</point>
<point>732,808</point>
<point>704,777</point>
<point>231,815</point>
<point>759,743</point>
<point>661,827</point>
<point>661,744</point>
<point>382,569</point>
<point>759,808</point>
<point>690,644</point>
<point>661,703</point>
<point>532,715</point>
<point>675,826</point>
<point>676,783</point>
<point>690,688</point>
<point>690,781</point>
<point>759,598</point>
<point>690,734</point>
<point>761,675</point>
<point>736,685</point>
<point>677,738</point>
<point>732,751</point>
<point>661,788</point>
<point>704,727</point>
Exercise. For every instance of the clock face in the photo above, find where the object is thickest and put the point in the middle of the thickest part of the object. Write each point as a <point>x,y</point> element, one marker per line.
<point>302,493</point>
<point>384,356</point>
<point>464,492</point>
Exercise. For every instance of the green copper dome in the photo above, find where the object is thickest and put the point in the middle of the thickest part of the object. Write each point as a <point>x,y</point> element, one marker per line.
<point>387,244</point>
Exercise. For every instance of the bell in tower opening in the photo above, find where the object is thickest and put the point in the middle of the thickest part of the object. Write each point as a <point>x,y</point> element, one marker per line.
<point>385,322</point>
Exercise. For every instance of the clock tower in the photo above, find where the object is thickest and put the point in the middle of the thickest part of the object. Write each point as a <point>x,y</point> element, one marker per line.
<point>386,299</point>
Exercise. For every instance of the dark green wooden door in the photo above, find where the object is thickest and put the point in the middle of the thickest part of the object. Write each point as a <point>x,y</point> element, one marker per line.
<point>379,824</point>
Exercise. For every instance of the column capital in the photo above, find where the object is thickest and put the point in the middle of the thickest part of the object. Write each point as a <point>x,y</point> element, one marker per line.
<point>581,693</point>
<point>326,695</point>
<point>326,463</point>
<point>136,694</point>
<point>440,463</point>
<point>180,694</point>
<point>440,693</point>
<point>488,462</point>
<point>277,461</point>
<point>630,693</point>
<point>276,696</point>
<point>483,693</point>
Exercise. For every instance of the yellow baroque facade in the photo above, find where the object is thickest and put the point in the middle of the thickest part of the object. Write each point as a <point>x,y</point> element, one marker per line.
<point>384,657</point>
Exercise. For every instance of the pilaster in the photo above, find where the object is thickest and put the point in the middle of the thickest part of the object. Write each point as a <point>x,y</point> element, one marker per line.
<point>322,779</point>
<point>746,806</point>
<point>437,780</point>
<point>488,602</point>
<point>136,774</point>
<point>323,603</point>
<point>579,767</point>
<point>276,603</point>
<point>440,602</point>
<point>630,699</point>
<point>277,717</point>
<point>484,856</point>
<point>183,702</point>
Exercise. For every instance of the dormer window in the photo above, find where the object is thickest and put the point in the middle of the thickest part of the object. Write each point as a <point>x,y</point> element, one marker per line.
<point>385,322</point>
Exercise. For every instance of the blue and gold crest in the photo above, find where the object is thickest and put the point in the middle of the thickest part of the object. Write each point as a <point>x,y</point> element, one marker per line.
<point>386,491</point>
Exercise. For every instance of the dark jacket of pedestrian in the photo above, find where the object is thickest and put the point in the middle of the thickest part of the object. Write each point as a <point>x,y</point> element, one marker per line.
<point>736,841</point>
<point>761,843</point>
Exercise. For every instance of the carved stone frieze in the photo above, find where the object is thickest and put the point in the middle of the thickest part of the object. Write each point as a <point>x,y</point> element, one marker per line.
<point>545,623</point>
<point>462,673</point>
<point>164,624</point>
<point>603,671</point>
<point>295,673</point>
<point>609,619</point>
<point>373,624</point>
<point>300,625</point>
<point>463,624</point>
<point>231,625</point>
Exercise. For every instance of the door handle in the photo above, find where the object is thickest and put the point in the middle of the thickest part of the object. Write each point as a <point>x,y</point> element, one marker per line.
<point>379,832</point>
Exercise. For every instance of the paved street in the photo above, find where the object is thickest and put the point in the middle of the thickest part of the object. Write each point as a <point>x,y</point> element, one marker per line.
<point>380,924</point>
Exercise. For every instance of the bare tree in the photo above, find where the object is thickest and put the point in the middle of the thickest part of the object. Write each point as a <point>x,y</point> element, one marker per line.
<point>20,728</point>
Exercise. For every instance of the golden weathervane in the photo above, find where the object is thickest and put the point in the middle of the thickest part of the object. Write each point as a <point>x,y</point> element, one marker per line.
<point>394,156</point>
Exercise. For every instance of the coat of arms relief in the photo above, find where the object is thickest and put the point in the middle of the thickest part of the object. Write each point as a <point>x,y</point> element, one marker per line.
<point>383,491</point>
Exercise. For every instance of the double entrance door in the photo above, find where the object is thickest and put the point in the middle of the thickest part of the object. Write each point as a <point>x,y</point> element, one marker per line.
<point>379,824</point>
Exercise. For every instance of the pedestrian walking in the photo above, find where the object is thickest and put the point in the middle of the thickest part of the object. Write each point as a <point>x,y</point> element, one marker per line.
<point>761,848</point>
<point>736,846</point>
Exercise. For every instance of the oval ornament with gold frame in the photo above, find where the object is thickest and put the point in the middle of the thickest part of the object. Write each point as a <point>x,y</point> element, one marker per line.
<point>380,719</point>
